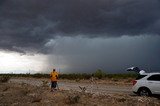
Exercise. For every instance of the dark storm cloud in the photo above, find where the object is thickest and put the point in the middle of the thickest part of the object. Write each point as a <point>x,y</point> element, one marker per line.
<point>27,25</point>
<point>110,55</point>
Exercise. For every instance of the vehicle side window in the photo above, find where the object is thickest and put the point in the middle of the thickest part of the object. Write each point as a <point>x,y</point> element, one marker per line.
<point>140,77</point>
<point>154,77</point>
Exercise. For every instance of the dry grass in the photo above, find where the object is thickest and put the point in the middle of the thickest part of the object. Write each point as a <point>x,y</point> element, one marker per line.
<point>27,95</point>
<point>4,79</point>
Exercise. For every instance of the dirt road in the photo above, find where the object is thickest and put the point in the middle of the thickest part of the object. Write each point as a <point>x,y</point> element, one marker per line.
<point>92,88</point>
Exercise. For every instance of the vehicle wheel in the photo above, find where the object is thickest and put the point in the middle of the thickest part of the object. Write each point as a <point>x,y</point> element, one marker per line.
<point>144,92</point>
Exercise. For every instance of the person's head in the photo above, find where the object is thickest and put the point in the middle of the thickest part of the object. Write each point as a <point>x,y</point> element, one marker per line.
<point>54,70</point>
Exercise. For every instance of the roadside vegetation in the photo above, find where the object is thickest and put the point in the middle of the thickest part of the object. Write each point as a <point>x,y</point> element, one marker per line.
<point>99,74</point>
<point>4,78</point>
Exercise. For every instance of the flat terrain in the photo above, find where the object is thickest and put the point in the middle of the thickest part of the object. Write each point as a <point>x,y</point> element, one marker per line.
<point>36,92</point>
<point>93,87</point>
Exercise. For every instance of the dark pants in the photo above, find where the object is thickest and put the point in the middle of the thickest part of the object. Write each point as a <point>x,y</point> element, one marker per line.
<point>53,84</point>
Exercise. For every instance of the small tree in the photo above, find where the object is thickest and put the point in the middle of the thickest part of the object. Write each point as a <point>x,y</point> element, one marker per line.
<point>99,74</point>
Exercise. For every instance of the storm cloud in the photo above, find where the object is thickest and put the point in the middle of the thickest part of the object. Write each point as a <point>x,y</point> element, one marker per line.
<point>80,35</point>
<point>110,54</point>
<point>29,25</point>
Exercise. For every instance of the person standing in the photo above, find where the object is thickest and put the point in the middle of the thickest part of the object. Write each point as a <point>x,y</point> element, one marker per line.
<point>54,79</point>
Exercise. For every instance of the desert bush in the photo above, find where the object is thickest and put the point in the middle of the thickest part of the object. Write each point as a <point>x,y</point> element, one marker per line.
<point>75,76</point>
<point>99,74</point>
<point>120,76</point>
<point>44,83</point>
<point>77,80</point>
<point>4,79</point>
<point>72,99</point>
<point>40,75</point>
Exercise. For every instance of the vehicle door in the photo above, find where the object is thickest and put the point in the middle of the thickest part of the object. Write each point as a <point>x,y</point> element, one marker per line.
<point>154,83</point>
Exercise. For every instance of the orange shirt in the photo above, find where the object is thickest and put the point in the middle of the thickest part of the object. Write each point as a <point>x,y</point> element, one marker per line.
<point>54,76</point>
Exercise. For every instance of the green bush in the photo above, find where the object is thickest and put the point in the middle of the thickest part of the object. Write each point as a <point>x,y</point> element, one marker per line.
<point>121,76</point>
<point>75,76</point>
<point>99,74</point>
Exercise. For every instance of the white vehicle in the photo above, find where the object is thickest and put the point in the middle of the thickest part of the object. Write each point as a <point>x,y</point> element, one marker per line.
<point>146,84</point>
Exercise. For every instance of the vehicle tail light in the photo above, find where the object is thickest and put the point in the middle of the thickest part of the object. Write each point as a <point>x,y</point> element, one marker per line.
<point>134,82</point>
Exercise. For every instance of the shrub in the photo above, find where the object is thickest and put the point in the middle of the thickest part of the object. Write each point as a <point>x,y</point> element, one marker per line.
<point>4,79</point>
<point>72,99</point>
<point>99,74</point>
<point>40,75</point>
<point>75,76</point>
<point>120,76</point>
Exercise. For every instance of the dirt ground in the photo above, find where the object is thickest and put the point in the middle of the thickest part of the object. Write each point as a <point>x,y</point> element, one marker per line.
<point>25,94</point>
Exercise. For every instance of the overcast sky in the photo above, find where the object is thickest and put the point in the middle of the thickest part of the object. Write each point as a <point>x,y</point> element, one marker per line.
<point>79,35</point>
